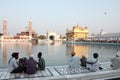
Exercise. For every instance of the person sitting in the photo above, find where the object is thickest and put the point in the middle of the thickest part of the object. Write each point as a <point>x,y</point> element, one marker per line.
<point>115,62</point>
<point>118,54</point>
<point>83,61</point>
<point>22,63</point>
<point>93,65</point>
<point>30,65</point>
<point>74,61</point>
<point>41,62</point>
<point>13,64</point>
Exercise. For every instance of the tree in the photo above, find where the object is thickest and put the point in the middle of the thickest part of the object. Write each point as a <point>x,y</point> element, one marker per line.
<point>42,37</point>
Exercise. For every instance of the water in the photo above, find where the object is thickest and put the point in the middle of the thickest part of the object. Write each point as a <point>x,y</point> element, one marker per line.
<point>54,54</point>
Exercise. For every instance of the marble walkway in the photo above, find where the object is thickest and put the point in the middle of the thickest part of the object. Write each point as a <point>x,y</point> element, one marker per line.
<point>64,73</point>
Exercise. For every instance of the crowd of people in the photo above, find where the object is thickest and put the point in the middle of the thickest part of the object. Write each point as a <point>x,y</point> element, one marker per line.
<point>29,66</point>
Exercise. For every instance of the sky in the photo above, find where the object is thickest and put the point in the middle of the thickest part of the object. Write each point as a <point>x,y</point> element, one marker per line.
<point>58,15</point>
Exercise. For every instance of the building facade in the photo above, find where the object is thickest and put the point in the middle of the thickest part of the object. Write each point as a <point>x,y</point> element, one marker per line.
<point>106,37</point>
<point>77,33</point>
<point>52,35</point>
<point>23,36</point>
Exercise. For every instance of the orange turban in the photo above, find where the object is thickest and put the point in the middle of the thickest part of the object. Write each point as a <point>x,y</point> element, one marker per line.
<point>73,53</point>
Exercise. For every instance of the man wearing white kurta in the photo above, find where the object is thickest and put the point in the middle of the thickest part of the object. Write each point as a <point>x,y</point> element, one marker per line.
<point>93,65</point>
<point>74,61</point>
<point>13,64</point>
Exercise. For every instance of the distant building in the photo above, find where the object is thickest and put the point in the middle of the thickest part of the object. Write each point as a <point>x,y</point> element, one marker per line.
<point>105,37</point>
<point>22,36</point>
<point>26,33</point>
<point>77,33</point>
<point>52,35</point>
<point>4,27</point>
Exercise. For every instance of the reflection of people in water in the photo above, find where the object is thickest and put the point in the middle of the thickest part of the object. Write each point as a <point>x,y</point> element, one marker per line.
<point>74,61</point>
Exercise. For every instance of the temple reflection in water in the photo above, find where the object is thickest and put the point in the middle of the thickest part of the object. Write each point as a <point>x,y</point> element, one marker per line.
<point>79,49</point>
<point>55,54</point>
<point>7,48</point>
<point>25,49</point>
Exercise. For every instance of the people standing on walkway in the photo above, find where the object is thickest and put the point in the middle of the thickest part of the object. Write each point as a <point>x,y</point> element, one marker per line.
<point>31,65</point>
<point>74,61</point>
<point>13,64</point>
<point>41,62</point>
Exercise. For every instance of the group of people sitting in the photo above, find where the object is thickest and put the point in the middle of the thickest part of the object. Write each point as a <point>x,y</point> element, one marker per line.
<point>29,66</point>
<point>92,65</point>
